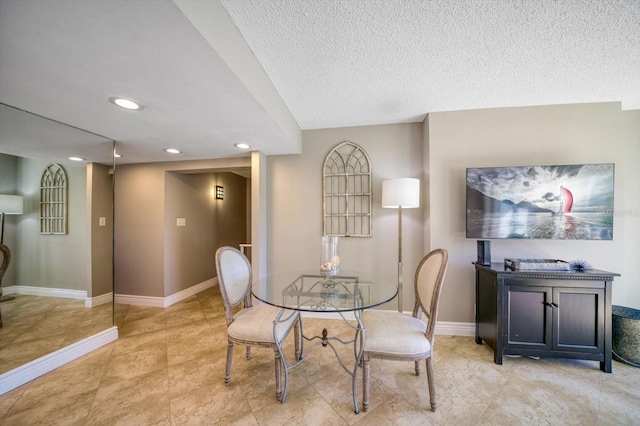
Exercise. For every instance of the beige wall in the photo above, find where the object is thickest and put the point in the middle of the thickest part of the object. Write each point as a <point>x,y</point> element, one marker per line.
<point>438,151</point>
<point>627,215</point>
<point>545,135</point>
<point>188,249</point>
<point>139,230</point>
<point>153,256</point>
<point>295,203</point>
<point>79,260</point>
<point>210,223</point>
<point>52,261</point>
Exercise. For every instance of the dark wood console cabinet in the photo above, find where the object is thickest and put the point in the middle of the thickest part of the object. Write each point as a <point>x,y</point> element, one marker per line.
<point>545,313</point>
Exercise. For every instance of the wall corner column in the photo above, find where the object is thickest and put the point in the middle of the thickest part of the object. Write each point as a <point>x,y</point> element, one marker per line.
<point>258,214</point>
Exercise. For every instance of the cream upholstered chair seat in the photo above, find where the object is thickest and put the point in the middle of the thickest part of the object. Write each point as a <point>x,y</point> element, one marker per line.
<point>260,325</point>
<point>393,334</point>
<point>256,324</point>
<point>400,337</point>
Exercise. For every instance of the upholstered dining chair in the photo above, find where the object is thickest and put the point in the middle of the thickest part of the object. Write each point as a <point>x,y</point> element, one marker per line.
<point>397,336</point>
<point>261,325</point>
<point>6,258</point>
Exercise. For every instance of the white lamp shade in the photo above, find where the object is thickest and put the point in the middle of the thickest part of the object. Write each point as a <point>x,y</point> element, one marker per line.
<point>11,204</point>
<point>403,193</point>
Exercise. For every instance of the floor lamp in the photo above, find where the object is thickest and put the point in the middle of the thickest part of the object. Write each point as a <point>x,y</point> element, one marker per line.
<point>400,193</point>
<point>9,204</point>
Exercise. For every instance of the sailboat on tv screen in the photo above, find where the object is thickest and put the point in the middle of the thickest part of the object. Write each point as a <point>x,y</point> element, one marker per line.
<point>566,203</point>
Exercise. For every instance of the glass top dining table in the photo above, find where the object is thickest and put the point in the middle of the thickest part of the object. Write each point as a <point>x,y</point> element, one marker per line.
<point>346,294</point>
<point>312,292</point>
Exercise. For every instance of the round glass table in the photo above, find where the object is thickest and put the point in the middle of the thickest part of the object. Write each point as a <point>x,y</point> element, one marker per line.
<point>346,295</point>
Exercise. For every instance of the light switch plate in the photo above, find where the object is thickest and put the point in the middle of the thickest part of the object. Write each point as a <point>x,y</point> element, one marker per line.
<point>181,221</point>
<point>103,221</point>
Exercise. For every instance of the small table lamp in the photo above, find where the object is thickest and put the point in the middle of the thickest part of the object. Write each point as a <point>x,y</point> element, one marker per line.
<point>9,204</point>
<point>400,193</point>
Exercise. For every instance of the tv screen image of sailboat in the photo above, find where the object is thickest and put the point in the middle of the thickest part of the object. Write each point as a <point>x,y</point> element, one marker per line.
<point>568,202</point>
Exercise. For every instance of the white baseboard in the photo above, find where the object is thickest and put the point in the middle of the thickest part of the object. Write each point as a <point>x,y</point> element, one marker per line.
<point>44,291</point>
<point>443,328</point>
<point>91,302</point>
<point>27,372</point>
<point>446,328</point>
<point>163,302</point>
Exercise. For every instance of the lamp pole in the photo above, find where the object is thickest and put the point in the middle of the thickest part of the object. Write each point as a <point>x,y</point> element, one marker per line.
<point>399,193</point>
<point>400,259</point>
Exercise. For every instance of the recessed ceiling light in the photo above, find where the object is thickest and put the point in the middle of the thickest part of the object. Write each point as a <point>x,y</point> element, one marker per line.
<point>172,151</point>
<point>126,103</point>
<point>242,145</point>
<point>76,159</point>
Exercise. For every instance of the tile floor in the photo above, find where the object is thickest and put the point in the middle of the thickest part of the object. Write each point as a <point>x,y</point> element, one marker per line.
<point>36,325</point>
<point>167,368</point>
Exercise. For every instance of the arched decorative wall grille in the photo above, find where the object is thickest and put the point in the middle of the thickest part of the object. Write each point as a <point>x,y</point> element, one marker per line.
<point>53,200</point>
<point>346,188</point>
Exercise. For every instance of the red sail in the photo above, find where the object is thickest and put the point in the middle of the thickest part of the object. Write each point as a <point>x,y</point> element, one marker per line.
<point>567,200</point>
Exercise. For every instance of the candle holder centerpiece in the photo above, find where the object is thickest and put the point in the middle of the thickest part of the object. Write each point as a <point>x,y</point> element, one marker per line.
<point>330,257</point>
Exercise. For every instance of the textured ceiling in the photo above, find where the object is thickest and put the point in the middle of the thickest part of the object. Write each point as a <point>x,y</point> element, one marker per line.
<point>357,62</point>
<point>305,64</point>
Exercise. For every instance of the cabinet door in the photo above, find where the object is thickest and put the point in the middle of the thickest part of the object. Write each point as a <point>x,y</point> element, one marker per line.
<point>578,318</point>
<point>528,317</point>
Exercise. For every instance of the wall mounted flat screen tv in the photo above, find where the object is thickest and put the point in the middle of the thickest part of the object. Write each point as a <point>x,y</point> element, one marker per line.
<point>570,202</point>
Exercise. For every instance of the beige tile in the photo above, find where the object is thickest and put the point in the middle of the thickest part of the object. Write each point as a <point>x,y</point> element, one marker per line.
<point>396,411</point>
<point>195,374</point>
<point>336,389</point>
<point>9,399</point>
<point>134,357</point>
<point>194,340</point>
<point>306,407</point>
<point>142,319</point>
<point>168,367</point>
<point>496,415</point>
<point>70,410</point>
<point>212,404</point>
<point>185,312</point>
<point>142,400</point>
<point>620,400</point>
<point>78,377</point>
<point>21,352</point>
<point>548,399</point>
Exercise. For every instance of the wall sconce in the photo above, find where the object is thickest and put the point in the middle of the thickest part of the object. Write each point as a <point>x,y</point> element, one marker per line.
<point>219,192</point>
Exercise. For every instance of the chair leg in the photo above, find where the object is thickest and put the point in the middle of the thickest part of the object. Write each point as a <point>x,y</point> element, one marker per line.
<point>432,386</point>
<point>248,352</point>
<point>297,333</point>
<point>227,377</point>
<point>417,368</point>
<point>278,362</point>
<point>366,370</point>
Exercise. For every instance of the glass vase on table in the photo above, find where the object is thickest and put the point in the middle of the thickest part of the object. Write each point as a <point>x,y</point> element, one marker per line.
<point>330,258</point>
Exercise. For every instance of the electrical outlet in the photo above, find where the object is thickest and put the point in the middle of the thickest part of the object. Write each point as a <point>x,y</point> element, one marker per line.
<point>102,221</point>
